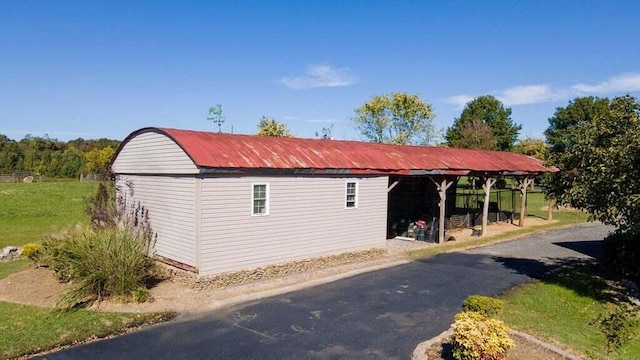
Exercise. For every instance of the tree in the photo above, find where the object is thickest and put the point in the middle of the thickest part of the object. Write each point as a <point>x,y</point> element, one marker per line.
<point>536,148</point>
<point>596,145</point>
<point>398,118</point>
<point>490,111</point>
<point>270,127</point>
<point>476,135</point>
<point>562,134</point>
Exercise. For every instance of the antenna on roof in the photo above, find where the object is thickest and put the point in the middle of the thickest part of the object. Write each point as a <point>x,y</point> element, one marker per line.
<point>215,115</point>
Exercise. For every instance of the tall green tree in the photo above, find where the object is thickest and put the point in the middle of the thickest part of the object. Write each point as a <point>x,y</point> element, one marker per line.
<point>563,134</point>
<point>271,127</point>
<point>490,111</point>
<point>398,118</point>
<point>596,145</point>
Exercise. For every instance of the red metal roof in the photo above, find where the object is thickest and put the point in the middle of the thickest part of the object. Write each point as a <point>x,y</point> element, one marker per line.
<point>229,151</point>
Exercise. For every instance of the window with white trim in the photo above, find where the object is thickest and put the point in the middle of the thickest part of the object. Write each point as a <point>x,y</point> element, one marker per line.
<point>351,194</point>
<point>260,199</point>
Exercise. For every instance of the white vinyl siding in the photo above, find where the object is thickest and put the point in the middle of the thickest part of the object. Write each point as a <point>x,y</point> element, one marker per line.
<point>170,201</point>
<point>259,199</point>
<point>152,153</point>
<point>307,218</point>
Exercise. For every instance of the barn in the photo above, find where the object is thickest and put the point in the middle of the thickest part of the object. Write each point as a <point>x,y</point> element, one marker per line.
<point>223,202</point>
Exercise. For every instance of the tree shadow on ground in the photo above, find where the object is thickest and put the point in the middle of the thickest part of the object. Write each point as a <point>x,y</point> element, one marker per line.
<point>587,277</point>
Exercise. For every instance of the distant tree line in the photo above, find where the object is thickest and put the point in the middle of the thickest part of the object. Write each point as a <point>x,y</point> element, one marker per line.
<point>54,158</point>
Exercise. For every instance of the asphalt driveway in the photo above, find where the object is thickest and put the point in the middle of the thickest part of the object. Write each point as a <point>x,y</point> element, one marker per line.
<point>377,315</point>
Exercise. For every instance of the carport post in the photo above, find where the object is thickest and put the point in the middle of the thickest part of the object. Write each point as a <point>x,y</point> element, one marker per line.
<point>524,184</point>
<point>488,183</point>
<point>442,187</point>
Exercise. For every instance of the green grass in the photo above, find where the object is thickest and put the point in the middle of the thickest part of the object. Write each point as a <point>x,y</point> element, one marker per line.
<point>9,267</point>
<point>28,329</point>
<point>29,211</point>
<point>561,307</point>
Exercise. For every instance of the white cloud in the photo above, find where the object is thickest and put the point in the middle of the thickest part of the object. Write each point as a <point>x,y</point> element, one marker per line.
<point>321,76</point>
<point>620,83</point>
<point>528,94</point>
<point>543,93</point>
<point>460,100</point>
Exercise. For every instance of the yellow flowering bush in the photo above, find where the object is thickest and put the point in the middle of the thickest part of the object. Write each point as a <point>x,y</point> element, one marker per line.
<point>477,337</point>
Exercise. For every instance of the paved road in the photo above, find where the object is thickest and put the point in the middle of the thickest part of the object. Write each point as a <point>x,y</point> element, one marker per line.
<point>377,315</point>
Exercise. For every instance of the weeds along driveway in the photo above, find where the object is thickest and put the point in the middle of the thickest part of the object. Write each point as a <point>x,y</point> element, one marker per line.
<point>378,315</point>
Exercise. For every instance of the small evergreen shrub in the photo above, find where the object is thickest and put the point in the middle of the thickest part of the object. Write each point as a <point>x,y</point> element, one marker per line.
<point>33,252</point>
<point>476,337</point>
<point>485,305</point>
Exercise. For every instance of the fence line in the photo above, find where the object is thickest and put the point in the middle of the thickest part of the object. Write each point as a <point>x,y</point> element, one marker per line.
<point>20,177</point>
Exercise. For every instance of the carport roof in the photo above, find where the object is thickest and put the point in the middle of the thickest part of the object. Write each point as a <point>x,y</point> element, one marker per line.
<point>219,152</point>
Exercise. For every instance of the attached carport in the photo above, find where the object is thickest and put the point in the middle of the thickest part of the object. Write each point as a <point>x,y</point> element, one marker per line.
<point>431,194</point>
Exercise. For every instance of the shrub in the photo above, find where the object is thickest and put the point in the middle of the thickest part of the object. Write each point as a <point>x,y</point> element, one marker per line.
<point>140,295</point>
<point>619,326</point>
<point>484,305</point>
<point>476,337</point>
<point>622,253</point>
<point>101,263</point>
<point>33,252</point>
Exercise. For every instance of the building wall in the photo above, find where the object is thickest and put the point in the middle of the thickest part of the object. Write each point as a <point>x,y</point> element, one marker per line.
<point>307,218</point>
<point>152,153</point>
<point>171,205</point>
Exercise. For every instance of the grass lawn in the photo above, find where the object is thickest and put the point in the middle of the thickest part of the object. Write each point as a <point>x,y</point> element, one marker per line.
<point>29,329</point>
<point>562,306</point>
<point>29,211</point>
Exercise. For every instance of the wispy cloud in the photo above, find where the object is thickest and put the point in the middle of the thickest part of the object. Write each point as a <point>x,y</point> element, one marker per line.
<point>528,94</point>
<point>460,100</point>
<point>621,83</point>
<point>321,76</point>
<point>544,93</point>
<point>322,121</point>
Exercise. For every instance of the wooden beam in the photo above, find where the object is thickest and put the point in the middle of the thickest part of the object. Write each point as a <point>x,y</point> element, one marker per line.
<point>395,183</point>
<point>523,184</point>
<point>442,185</point>
<point>486,187</point>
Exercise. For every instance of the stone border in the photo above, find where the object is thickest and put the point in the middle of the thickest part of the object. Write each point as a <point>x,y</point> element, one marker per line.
<point>420,352</point>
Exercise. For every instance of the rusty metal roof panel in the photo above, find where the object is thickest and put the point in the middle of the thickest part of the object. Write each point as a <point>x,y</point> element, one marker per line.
<point>216,150</point>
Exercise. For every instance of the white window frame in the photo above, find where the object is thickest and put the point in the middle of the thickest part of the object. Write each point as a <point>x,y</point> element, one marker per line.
<point>253,199</point>
<point>346,195</point>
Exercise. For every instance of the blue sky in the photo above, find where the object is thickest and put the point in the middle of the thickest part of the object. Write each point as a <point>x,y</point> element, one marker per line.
<point>95,69</point>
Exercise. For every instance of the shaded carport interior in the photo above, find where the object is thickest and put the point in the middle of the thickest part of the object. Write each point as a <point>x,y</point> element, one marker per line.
<point>432,198</point>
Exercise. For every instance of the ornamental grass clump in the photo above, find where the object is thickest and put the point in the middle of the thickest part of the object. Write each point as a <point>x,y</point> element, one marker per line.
<point>477,337</point>
<point>100,263</point>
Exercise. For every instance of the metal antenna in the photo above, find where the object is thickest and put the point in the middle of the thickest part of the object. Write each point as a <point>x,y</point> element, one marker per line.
<point>215,115</point>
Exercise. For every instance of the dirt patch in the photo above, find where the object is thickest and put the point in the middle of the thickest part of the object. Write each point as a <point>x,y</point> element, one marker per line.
<point>32,286</point>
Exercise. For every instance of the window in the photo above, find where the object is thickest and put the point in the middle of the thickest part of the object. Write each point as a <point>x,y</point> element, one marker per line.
<point>260,199</point>
<point>351,194</point>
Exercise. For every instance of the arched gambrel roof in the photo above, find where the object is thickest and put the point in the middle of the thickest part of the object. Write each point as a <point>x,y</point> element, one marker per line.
<point>218,152</point>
